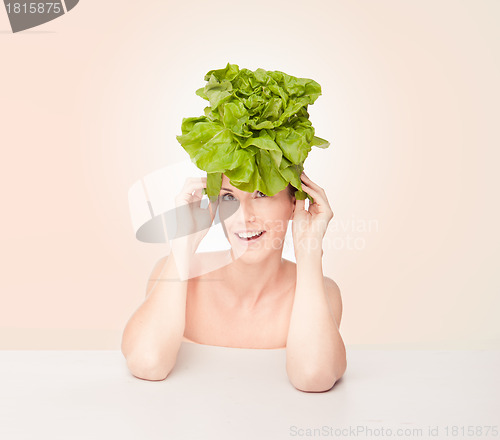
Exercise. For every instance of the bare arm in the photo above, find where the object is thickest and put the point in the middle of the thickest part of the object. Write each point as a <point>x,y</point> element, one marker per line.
<point>153,335</point>
<point>315,353</point>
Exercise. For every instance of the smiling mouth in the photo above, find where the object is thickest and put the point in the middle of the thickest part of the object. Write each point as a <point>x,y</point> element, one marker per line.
<point>251,238</point>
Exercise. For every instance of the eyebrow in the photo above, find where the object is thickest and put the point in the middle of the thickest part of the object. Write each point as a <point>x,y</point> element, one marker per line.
<point>227,189</point>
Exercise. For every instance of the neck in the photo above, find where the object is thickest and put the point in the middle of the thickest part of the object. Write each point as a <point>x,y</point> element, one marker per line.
<point>249,283</point>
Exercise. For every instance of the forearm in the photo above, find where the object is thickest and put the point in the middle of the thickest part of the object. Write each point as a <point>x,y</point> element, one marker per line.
<point>315,352</point>
<point>153,335</point>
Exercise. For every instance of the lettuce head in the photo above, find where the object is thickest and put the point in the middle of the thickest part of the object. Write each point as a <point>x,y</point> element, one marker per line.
<point>255,130</point>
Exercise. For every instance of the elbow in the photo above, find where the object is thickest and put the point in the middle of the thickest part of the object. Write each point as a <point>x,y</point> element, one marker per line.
<point>148,368</point>
<point>314,383</point>
<point>317,381</point>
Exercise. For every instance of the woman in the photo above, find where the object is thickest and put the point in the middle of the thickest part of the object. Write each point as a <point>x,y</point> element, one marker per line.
<point>256,300</point>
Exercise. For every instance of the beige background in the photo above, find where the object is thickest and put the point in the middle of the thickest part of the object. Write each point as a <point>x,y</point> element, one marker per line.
<point>92,102</point>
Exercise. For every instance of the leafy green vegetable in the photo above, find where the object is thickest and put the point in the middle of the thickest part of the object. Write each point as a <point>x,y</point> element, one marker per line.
<point>256,130</point>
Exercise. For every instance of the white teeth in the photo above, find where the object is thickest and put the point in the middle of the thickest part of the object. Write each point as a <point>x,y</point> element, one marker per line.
<point>249,234</point>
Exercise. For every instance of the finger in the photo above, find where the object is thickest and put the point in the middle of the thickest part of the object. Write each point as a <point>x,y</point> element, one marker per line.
<point>299,205</point>
<point>320,205</point>
<point>312,192</point>
<point>320,191</point>
<point>198,192</point>
<point>190,185</point>
<point>310,183</point>
<point>300,209</point>
<point>198,196</point>
<point>305,180</point>
<point>193,183</point>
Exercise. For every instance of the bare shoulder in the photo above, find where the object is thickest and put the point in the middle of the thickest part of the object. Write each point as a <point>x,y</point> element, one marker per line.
<point>334,298</point>
<point>205,261</point>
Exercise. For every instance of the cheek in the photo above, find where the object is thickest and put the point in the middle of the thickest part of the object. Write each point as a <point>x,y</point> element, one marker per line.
<point>277,219</point>
<point>227,211</point>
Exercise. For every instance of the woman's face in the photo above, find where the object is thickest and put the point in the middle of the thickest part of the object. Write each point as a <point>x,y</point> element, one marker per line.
<point>244,214</point>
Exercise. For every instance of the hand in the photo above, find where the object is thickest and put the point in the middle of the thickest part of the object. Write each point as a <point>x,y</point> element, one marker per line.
<point>193,222</point>
<point>309,226</point>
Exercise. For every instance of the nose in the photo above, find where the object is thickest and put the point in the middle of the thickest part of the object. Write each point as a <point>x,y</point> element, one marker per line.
<point>247,210</point>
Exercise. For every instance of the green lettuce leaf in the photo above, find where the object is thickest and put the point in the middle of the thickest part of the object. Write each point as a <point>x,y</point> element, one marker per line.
<point>256,130</point>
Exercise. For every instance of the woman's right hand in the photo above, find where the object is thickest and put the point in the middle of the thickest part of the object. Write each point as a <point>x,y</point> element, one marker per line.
<point>193,222</point>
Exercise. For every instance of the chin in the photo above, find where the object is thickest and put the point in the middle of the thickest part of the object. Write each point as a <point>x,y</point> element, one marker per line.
<point>252,256</point>
<point>249,255</point>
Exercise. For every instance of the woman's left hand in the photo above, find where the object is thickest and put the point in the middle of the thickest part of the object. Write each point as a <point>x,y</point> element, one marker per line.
<point>309,226</point>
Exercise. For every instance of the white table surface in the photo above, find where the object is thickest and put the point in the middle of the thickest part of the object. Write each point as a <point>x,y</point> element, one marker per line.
<point>231,393</point>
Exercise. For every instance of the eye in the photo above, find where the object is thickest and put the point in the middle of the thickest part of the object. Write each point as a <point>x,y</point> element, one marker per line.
<point>229,197</point>
<point>261,194</point>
